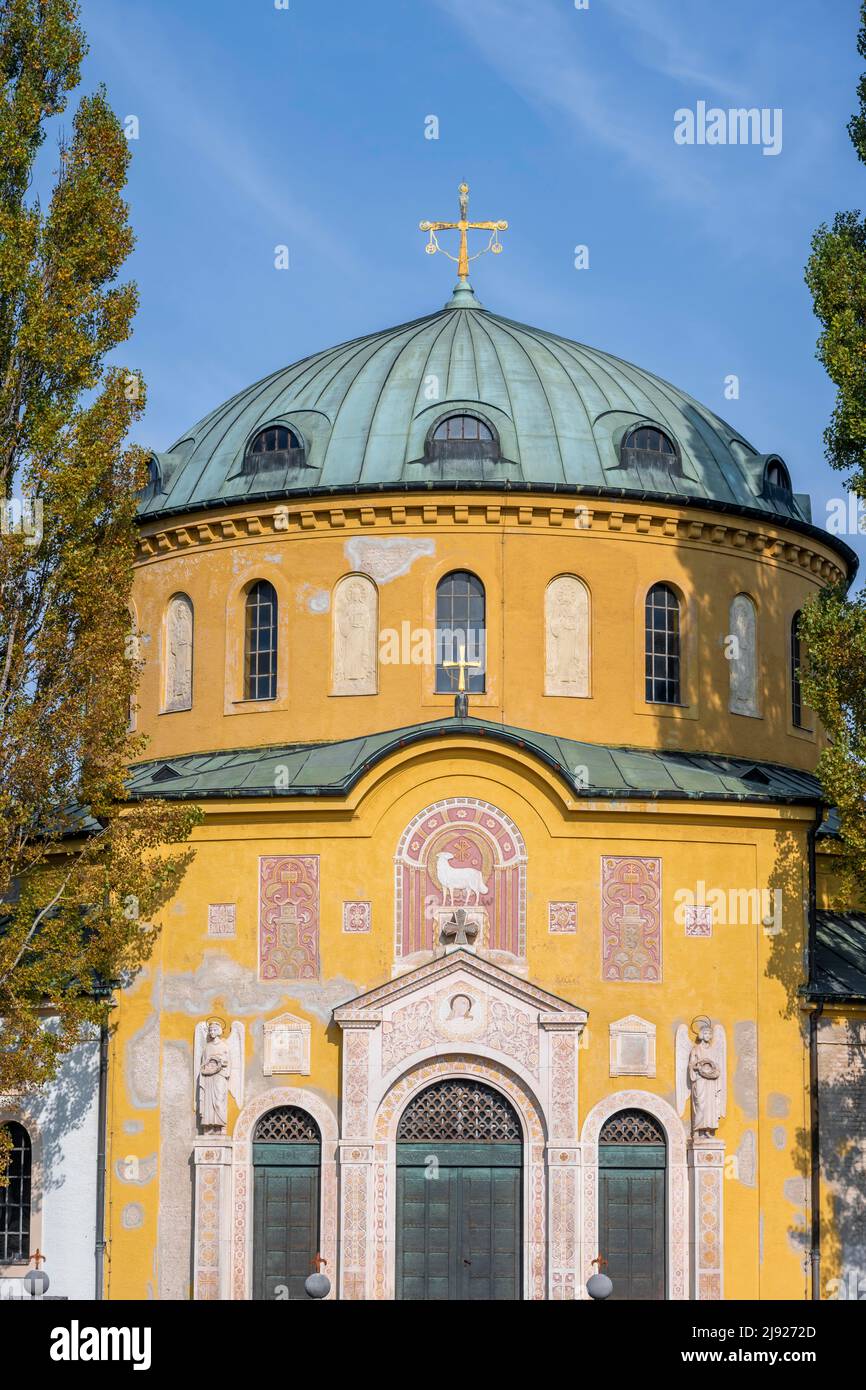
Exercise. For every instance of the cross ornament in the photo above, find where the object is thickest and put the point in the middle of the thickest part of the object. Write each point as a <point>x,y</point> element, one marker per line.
<point>461,665</point>
<point>463,226</point>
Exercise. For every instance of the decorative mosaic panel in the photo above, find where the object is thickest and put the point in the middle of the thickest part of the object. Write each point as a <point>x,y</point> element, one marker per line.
<point>222,919</point>
<point>631,921</point>
<point>289,917</point>
<point>562,918</point>
<point>461,853</point>
<point>698,920</point>
<point>357,916</point>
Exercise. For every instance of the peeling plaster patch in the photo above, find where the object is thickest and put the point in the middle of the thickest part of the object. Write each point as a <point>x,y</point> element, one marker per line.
<point>322,999</point>
<point>142,1065</point>
<point>220,977</point>
<point>314,600</point>
<point>760,1237</point>
<point>795,1191</point>
<point>780,1136</point>
<point>747,1160</point>
<point>778,1106</point>
<point>746,1075</point>
<point>132,1216</point>
<point>179,909</point>
<point>242,992</point>
<point>387,558</point>
<point>177,1131</point>
<point>133,1126</point>
<point>136,1170</point>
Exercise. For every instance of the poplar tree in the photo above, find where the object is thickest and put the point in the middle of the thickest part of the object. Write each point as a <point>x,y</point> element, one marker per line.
<point>833,625</point>
<point>82,868</point>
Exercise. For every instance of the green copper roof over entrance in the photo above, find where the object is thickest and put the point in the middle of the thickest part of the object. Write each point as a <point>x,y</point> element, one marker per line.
<point>363,412</point>
<point>332,769</point>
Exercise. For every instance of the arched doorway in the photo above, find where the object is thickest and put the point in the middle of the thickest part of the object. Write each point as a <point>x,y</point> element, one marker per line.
<point>632,1220</point>
<point>459,1180</point>
<point>287,1148</point>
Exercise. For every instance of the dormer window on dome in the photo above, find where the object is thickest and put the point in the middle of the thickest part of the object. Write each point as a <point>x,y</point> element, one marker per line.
<point>777,479</point>
<point>153,481</point>
<point>462,436</point>
<point>274,447</point>
<point>649,447</point>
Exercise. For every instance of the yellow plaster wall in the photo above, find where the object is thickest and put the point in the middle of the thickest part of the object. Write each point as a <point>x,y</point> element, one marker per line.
<point>742,977</point>
<point>516,548</point>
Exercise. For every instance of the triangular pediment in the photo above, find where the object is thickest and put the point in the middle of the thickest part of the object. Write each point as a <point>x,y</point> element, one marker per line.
<point>457,966</point>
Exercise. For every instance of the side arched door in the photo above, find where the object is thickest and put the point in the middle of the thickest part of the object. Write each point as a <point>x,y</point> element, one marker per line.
<point>632,1220</point>
<point>287,1149</point>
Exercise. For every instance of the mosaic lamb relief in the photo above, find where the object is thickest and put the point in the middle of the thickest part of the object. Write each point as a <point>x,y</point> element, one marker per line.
<point>461,875</point>
<point>289,917</point>
<point>631,922</point>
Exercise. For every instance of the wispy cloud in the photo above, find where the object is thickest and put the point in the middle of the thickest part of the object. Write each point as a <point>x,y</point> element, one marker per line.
<point>657,42</point>
<point>216,138</point>
<point>540,51</point>
<point>546,52</point>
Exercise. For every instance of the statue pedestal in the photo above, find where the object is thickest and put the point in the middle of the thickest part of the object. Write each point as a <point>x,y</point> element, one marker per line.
<point>706,1158</point>
<point>212,1164</point>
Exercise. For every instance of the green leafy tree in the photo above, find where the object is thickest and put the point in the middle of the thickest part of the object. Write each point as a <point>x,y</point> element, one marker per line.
<point>833,625</point>
<point>76,892</point>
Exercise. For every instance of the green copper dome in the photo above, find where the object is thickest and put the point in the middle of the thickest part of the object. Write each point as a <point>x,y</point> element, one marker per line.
<point>362,417</point>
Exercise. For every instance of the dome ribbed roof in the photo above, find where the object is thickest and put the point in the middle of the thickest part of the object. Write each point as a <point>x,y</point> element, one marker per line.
<point>364,411</point>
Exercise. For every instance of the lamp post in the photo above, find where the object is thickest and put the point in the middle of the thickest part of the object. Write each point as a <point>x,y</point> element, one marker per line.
<point>598,1285</point>
<point>317,1285</point>
<point>36,1281</point>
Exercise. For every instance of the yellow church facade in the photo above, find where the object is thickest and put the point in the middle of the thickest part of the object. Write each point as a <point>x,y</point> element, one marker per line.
<point>477,649</point>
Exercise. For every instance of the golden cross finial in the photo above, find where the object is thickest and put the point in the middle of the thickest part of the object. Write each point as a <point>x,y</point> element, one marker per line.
<point>464,226</point>
<point>461,665</point>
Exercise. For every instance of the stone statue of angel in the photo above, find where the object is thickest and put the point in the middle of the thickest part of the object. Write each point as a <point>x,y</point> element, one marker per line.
<point>701,1073</point>
<point>219,1072</point>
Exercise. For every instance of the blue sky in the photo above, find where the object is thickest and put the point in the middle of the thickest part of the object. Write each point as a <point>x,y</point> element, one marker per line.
<point>306,127</point>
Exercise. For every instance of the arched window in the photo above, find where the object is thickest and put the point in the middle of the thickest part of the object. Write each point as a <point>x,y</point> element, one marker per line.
<point>178,653</point>
<point>777,476</point>
<point>649,447</point>
<point>458,1111</point>
<point>796,666</point>
<point>274,447</point>
<point>153,480</point>
<point>260,643</point>
<point>460,632</point>
<point>742,654</point>
<point>15,1198</point>
<point>462,436</point>
<point>662,646</point>
<point>463,427</point>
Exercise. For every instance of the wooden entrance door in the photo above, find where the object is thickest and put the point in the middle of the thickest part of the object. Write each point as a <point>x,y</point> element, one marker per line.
<point>459,1184</point>
<point>458,1222</point>
<point>286,1168</point>
<point>632,1205</point>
